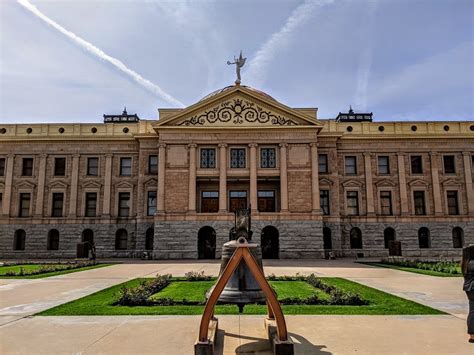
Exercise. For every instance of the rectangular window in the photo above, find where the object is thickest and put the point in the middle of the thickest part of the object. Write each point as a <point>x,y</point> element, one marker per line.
<point>266,201</point>
<point>93,166</point>
<point>91,204</point>
<point>58,201</point>
<point>267,158</point>
<point>208,158</point>
<point>453,206</point>
<point>209,201</point>
<point>449,164</point>
<point>153,164</point>
<point>2,166</point>
<point>27,167</point>
<point>384,165</point>
<point>323,163</point>
<point>386,203</point>
<point>237,199</point>
<point>324,202</point>
<point>126,166</point>
<point>124,204</point>
<point>353,203</point>
<point>351,165</point>
<point>59,166</point>
<point>416,164</point>
<point>419,200</point>
<point>24,210</point>
<point>237,158</point>
<point>151,204</point>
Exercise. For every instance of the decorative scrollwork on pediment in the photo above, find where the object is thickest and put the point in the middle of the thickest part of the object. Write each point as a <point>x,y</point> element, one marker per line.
<point>238,111</point>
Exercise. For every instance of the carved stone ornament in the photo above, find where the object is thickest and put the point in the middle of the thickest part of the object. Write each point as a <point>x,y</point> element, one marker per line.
<point>238,111</point>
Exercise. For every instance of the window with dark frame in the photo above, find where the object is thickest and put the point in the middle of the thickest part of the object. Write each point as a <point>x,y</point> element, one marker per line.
<point>27,167</point>
<point>453,205</point>
<point>124,204</point>
<point>353,203</point>
<point>53,240</point>
<point>209,201</point>
<point>420,204</point>
<point>323,163</point>
<point>57,204</point>
<point>266,201</point>
<point>267,158</point>
<point>324,202</point>
<point>208,158</point>
<point>151,203</point>
<point>93,166</point>
<point>153,164</point>
<point>2,166</point>
<point>384,165</point>
<point>24,208</point>
<point>386,203</point>
<point>126,166</point>
<point>351,165</point>
<point>416,164</point>
<point>237,199</point>
<point>449,164</point>
<point>59,166</point>
<point>237,158</point>
<point>91,204</point>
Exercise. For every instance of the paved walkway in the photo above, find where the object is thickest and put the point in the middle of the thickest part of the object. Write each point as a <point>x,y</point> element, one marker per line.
<point>21,333</point>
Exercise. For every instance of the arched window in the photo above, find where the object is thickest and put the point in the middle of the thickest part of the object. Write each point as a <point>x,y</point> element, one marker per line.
<point>458,237</point>
<point>53,240</point>
<point>270,243</point>
<point>424,238</point>
<point>356,238</point>
<point>121,237</point>
<point>327,238</point>
<point>149,235</point>
<point>19,240</point>
<point>388,236</point>
<point>207,243</point>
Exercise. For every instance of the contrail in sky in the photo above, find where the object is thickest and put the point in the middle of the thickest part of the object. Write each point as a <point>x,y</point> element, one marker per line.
<point>147,84</point>
<point>280,39</point>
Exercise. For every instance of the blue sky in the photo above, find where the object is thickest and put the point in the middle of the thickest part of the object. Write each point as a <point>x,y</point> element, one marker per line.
<point>401,59</point>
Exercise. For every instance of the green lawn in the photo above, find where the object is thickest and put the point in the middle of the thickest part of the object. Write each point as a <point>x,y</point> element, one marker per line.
<point>31,267</point>
<point>102,302</point>
<point>413,269</point>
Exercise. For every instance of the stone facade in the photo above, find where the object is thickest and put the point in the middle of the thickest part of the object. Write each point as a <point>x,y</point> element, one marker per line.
<point>193,195</point>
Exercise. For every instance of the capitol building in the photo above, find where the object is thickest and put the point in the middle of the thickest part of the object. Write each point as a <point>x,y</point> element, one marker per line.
<point>167,188</point>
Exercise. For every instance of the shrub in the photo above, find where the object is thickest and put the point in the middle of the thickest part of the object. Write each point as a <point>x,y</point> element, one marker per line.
<point>197,276</point>
<point>47,268</point>
<point>138,295</point>
<point>444,266</point>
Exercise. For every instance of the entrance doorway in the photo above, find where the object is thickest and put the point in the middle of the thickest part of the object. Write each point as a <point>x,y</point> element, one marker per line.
<point>270,243</point>
<point>207,243</point>
<point>87,239</point>
<point>327,239</point>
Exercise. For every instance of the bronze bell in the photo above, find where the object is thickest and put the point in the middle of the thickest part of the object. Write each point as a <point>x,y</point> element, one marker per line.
<point>242,287</point>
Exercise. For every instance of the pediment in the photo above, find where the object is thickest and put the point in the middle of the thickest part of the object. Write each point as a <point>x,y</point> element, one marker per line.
<point>58,184</point>
<point>451,182</point>
<point>25,185</point>
<point>124,184</point>
<point>325,182</point>
<point>418,182</point>
<point>352,183</point>
<point>237,107</point>
<point>151,181</point>
<point>385,183</point>
<point>92,184</point>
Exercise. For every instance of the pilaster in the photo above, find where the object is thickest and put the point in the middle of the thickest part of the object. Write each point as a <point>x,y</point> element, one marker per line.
<point>8,185</point>
<point>253,176</point>
<point>192,178</point>
<point>107,185</point>
<point>438,206</point>
<point>369,188</point>
<point>41,182</point>
<point>402,184</point>
<point>74,184</point>
<point>283,178</point>
<point>468,181</point>
<point>316,205</point>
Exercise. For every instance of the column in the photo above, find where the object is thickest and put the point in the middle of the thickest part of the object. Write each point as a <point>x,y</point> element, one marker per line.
<point>160,208</point>
<point>315,178</point>
<point>369,188</point>
<point>468,181</point>
<point>402,183</point>
<point>438,207</point>
<point>74,183</point>
<point>223,178</point>
<point>107,184</point>
<point>253,176</point>
<point>8,185</point>
<point>283,178</point>
<point>41,181</point>
<point>192,178</point>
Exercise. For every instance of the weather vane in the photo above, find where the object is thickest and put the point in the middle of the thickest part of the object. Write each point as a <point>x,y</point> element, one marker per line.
<point>239,63</point>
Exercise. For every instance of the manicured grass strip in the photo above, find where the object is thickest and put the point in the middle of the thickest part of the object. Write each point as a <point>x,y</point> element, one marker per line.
<point>180,290</point>
<point>412,269</point>
<point>380,303</point>
<point>29,267</point>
